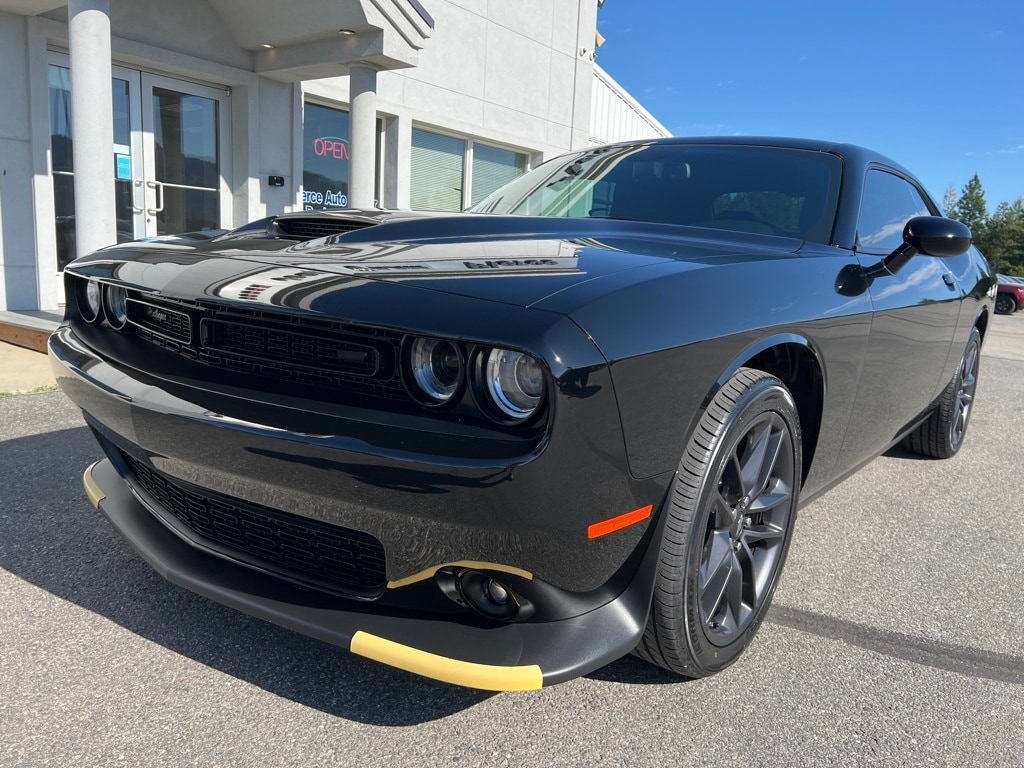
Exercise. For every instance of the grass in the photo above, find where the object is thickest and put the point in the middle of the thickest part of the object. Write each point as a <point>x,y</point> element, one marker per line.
<point>33,391</point>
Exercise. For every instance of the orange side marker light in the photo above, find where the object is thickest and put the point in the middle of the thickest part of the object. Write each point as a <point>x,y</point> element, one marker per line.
<point>618,523</point>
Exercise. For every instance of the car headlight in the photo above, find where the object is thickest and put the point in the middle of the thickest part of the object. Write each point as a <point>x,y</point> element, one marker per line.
<point>437,367</point>
<point>116,300</point>
<point>515,383</point>
<point>89,299</point>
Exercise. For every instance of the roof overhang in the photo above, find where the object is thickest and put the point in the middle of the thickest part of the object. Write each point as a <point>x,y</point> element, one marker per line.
<point>309,39</point>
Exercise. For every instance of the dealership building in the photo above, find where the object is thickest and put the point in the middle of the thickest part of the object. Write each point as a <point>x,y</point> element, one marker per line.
<point>127,119</point>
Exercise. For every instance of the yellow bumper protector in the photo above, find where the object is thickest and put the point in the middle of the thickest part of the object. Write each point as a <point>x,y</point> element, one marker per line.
<point>426,573</point>
<point>92,490</point>
<point>483,676</point>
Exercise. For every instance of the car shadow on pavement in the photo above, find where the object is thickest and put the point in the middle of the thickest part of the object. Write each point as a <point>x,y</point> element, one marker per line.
<point>51,537</point>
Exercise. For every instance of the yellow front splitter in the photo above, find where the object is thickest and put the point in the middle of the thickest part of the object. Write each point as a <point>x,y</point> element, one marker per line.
<point>487,677</point>
<point>92,490</point>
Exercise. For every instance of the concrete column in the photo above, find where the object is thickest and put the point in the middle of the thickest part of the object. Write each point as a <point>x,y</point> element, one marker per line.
<point>362,135</point>
<point>397,162</point>
<point>92,124</point>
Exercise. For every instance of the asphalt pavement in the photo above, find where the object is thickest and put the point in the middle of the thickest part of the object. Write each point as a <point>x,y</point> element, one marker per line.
<point>896,637</point>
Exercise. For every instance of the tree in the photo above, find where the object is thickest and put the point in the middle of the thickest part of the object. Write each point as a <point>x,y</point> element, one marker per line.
<point>1004,238</point>
<point>970,208</point>
<point>949,201</point>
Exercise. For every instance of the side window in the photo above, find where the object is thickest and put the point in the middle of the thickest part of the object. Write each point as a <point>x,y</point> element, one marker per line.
<point>889,202</point>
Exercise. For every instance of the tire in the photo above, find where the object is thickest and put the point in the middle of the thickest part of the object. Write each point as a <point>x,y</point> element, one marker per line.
<point>1005,305</point>
<point>942,435</point>
<point>730,517</point>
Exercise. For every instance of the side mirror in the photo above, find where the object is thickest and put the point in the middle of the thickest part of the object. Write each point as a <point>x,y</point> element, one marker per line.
<point>930,235</point>
<point>936,236</point>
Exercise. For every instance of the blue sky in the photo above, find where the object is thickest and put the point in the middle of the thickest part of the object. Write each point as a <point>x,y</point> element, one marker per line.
<point>938,87</point>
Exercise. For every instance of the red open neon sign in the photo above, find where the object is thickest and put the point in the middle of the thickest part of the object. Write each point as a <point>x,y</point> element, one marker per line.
<point>331,146</point>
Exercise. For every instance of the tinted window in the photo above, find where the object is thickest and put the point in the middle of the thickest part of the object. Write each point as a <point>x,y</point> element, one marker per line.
<point>889,202</point>
<point>766,190</point>
<point>325,157</point>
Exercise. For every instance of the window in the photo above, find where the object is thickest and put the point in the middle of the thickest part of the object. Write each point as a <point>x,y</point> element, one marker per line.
<point>493,168</point>
<point>61,153</point>
<point>439,181</point>
<point>437,164</point>
<point>889,202</point>
<point>762,190</point>
<point>326,154</point>
<point>325,157</point>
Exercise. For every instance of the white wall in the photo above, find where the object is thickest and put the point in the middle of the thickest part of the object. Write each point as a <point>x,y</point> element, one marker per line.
<point>508,73</point>
<point>24,179</point>
<point>616,116</point>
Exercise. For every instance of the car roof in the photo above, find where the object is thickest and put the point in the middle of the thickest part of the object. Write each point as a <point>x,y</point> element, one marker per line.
<point>853,153</point>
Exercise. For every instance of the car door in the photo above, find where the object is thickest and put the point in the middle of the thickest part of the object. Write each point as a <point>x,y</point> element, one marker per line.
<point>914,319</point>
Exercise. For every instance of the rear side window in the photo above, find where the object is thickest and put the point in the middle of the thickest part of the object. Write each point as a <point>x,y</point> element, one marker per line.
<point>889,202</point>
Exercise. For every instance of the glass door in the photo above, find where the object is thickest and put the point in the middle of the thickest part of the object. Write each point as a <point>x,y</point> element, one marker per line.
<point>127,156</point>
<point>170,166</point>
<point>183,187</point>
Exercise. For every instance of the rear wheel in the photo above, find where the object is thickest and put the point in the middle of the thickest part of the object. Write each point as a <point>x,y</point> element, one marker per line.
<point>730,519</point>
<point>943,433</point>
<point>1005,305</point>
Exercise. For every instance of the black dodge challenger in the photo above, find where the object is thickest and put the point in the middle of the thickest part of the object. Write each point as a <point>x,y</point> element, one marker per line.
<point>506,447</point>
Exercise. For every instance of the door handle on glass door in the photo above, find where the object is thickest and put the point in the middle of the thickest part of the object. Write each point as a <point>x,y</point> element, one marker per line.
<point>136,186</point>
<point>158,187</point>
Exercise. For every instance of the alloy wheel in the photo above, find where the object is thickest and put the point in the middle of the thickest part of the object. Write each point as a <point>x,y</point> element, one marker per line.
<point>746,528</point>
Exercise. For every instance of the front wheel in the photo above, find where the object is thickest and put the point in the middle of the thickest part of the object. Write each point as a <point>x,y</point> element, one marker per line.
<point>730,513</point>
<point>1005,305</point>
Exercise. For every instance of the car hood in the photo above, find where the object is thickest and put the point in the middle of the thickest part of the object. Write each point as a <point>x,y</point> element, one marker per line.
<point>510,259</point>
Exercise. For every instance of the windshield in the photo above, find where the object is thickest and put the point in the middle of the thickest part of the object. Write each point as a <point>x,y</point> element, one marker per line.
<point>766,190</point>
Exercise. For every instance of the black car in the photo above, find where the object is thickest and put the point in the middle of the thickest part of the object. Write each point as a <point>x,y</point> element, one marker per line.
<point>504,448</point>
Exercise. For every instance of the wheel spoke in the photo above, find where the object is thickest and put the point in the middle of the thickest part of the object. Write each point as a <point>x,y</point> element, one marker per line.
<point>760,461</point>
<point>716,551</point>
<point>734,589</point>
<point>766,532</point>
<point>753,464</point>
<point>737,468</point>
<point>772,497</point>
<point>714,588</point>
<point>725,513</point>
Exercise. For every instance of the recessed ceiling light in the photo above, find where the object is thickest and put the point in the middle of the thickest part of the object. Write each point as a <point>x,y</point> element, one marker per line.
<point>269,45</point>
<point>345,32</point>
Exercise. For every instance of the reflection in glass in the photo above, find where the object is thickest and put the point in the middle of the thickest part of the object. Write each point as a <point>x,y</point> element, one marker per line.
<point>187,162</point>
<point>188,210</point>
<point>62,160</point>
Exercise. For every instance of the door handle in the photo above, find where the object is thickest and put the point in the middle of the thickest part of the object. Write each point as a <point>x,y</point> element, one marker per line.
<point>947,278</point>
<point>157,187</point>
<point>136,186</point>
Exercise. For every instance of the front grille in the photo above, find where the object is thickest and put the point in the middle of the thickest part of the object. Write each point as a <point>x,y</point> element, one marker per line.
<point>176,325</point>
<point>329,557</point>
<point>318,352</point>
<point>312,228</point>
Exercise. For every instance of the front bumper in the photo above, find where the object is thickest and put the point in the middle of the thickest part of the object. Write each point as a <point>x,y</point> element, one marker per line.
<point>505,657</point>
<point>525,521</point>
